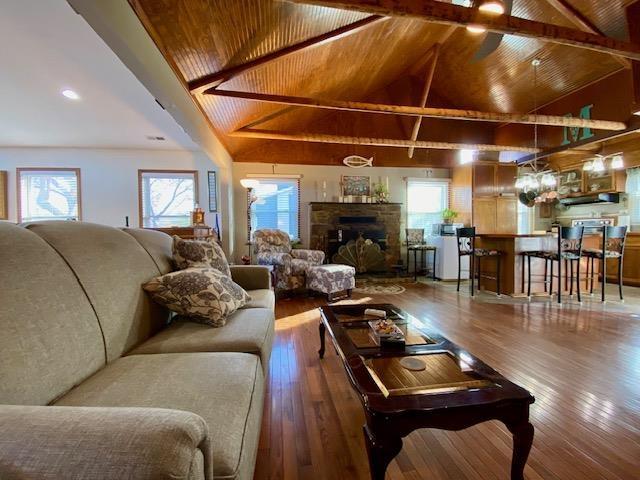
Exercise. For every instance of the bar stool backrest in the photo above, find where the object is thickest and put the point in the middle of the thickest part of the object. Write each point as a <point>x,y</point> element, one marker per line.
<point>570,240</point>
<point>415,236</point>
<point>613,239</point>
<point>466,240</point>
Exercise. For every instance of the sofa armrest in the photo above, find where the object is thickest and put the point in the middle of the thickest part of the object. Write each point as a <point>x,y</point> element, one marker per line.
<point>102,443</point>
<point>251,277</point>
<point>314,257</point>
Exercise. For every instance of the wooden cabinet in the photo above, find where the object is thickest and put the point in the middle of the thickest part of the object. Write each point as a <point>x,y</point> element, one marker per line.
<point>494,179</point>
<point>506,179</point>
<point>484,180</point>
<point>506,215</point>
<point>630,264</point>
<point>495,207</point>
<point>484,215</point>
<point>495,215</point>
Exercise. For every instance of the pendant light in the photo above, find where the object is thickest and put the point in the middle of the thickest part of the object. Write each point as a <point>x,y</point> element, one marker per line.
<point>492,6</point>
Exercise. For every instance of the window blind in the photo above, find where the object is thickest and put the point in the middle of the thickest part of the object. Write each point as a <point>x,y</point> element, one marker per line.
<point>426,199</point>
<point>48,195</point>
<point>167,198</point>
<point>633,192</point>
<point>277,206</point>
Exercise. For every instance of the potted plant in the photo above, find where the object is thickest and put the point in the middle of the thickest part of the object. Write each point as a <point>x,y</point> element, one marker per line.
<point>449,215</point>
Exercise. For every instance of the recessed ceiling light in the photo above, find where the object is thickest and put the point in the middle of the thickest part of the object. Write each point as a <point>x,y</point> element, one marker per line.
<point>70,94</point>
<point>475,28</point>
<point>492,6</point>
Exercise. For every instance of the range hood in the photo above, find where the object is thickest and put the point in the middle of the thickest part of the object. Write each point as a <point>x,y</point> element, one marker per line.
<point>588,199</point>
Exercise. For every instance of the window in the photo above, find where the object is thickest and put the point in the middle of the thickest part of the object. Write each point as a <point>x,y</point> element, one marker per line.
<point>426,199</point>
<point>633,191</point>
<point>48,194</point>
<point>277,205</point>
<point>167,197</point>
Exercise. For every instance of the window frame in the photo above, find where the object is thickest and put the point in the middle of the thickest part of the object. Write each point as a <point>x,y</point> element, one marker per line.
<point>266,178</point>
<point>19,171</point>
<point>439,181</point>
<point>141,172</point>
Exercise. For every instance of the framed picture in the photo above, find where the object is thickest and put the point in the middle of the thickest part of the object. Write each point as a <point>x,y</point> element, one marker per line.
<point>4,208</point>
<point>213,191</point>
<point>356,185</point>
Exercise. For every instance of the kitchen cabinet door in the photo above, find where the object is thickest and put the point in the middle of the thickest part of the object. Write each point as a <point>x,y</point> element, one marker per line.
<point>506,179</point>
<point>506,215</point>
<point>484,215</point>
<point>484,180</point>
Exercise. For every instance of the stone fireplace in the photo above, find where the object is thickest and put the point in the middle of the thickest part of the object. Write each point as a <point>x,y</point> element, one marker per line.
<point>364,235</point>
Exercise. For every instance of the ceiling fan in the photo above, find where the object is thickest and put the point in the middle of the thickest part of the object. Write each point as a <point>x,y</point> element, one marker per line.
<point>492,40</point>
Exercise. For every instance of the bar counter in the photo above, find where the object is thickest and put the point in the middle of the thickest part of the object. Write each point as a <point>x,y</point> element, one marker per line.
<point>511,246</point>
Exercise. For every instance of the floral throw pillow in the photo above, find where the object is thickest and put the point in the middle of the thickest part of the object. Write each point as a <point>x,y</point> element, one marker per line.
<point>199,253</point>
<point>205,295</point>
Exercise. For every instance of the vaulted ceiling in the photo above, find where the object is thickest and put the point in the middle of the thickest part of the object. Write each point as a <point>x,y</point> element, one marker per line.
<point>383,62</point>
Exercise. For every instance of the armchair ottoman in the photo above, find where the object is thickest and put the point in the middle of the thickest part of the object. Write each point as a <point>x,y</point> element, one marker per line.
<point>331,279</point>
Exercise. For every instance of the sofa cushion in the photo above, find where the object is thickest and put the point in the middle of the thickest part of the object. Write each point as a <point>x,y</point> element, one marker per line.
<point>111,266</point>
<point>205,295</point>
<point>199,253</point>
<point>157,244</point>
<point>225,389</point>
<point>247,330</point>
<point>50,339</point>
<point>261,298</point>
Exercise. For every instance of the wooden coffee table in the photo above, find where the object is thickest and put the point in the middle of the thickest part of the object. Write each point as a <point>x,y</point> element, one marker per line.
<point>455,391</point>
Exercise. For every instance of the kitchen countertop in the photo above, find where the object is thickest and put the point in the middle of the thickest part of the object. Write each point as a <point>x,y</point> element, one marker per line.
<point>512,235</point>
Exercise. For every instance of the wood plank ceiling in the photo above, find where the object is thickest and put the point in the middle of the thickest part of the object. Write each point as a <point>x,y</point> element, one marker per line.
<point>383,62</point>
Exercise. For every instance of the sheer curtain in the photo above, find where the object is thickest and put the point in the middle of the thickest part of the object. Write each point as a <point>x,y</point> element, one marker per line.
<point>633,193</point>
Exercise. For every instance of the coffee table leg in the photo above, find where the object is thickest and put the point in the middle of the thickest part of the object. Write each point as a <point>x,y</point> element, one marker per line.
<point>522,440</point>
<point>321,329</point>
<point>380,452</point>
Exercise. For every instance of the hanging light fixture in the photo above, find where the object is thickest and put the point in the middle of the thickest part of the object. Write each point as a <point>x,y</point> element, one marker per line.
<point>598,165</point>
<point>475,28</point>
<point>492,6</point>
<point>617,161</point>
<point>588,166</point>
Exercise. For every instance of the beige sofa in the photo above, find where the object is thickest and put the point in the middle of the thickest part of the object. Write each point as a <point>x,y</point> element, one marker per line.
<point>95,385</point>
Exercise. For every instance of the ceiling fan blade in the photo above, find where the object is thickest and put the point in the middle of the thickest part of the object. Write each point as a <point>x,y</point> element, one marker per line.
<point>488,46</point>
<point>492,41</point>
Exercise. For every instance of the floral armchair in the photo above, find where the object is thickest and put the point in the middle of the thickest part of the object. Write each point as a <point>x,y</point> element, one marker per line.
<point>273,247</point>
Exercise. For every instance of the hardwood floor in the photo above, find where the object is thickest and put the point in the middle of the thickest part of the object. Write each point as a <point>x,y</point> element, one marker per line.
<point>581,364</point>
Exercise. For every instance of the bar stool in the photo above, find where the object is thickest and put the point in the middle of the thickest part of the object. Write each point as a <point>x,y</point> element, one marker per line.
<point>467,247</point>
<point>569,250</point>
<point>613,239</point>
<point>415,243</point>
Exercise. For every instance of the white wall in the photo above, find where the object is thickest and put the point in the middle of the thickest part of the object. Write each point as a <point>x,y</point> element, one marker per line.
<point>311,189</point>
<point>109,177</point>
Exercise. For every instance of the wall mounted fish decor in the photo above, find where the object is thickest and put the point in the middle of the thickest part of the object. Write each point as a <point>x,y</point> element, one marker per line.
<point>356,161</point>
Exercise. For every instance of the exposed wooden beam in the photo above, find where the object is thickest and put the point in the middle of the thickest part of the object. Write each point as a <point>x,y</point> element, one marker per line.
<point>374,142</point>
<point>634,126</point>
<point>270,116</point>
<point>451,14</point>
<point>215,79</point>
<point>447,113</point>
<point>633,21</point>
<point>425,95</point>
<point>583,23</point>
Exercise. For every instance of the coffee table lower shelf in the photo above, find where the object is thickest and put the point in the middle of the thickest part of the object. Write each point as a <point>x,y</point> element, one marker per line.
<point>454,392</point>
